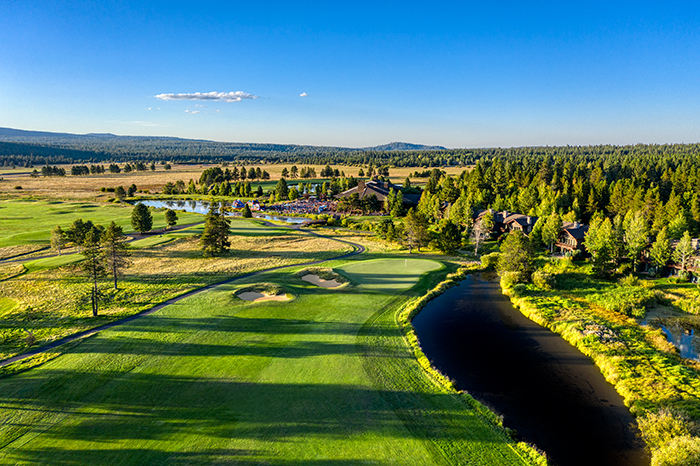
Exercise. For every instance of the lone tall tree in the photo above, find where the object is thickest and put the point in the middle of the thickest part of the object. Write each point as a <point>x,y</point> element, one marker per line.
<point>684,251</point>
<point>516,254</point>
<point>116,251</point>
<point>214,240</point>
<point>93,265</point>
<point>141,218</point>
<point>170,218</point>
<point>416,230</point>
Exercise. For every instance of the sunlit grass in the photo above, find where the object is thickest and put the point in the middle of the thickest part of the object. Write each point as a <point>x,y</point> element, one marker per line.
<point>51,296</point>
<point>324,379</point>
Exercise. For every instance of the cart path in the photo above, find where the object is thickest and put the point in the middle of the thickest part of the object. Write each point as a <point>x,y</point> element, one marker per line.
<point>358,249</point>
<point>133,236</point>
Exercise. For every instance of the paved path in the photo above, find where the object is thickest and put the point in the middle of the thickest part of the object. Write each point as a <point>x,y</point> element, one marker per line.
<point>358,249</point>
<point>134,237</point>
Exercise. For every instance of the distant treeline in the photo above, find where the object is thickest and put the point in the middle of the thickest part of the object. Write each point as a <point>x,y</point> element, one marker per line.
<point>47,150</point>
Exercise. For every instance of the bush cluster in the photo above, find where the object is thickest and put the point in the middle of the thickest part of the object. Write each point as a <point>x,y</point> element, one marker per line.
<point>629,301</point>
<point>544,280</point>
<point>510,279</point>
<point>490,261</point>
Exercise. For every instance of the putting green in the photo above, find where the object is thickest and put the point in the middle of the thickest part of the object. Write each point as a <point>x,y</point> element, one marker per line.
<point>388,275</point>
<point>217,380</point>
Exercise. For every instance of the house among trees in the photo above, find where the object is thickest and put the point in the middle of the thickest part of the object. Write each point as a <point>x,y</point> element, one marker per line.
<point>504,221</point>
<point>571,237</point>
<point>380,190</point>
<point>524,223</point>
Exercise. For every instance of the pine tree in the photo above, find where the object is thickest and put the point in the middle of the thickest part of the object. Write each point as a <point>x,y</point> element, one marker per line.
<point>170,218</point>
<point>116,250</point>
<point>214,240</point>
<point>141,218</point>
<point>416,230</point>
<point>281,190</point>
<point>93,265</point>
<point>516,254</point>
<point>246,213</point>
<point>450,238</point>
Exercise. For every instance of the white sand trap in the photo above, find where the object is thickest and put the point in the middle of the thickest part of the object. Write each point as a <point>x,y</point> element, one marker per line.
<point>255,296</point>
<point>318,281</point>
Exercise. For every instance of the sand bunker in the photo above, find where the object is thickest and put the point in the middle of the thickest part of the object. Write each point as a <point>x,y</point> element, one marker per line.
<point>318,281</point>
<point>255,296</point>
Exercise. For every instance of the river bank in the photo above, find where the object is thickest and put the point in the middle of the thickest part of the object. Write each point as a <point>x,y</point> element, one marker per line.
<point>546,390</point>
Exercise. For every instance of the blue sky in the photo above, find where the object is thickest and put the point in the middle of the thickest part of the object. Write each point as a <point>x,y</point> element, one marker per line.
<point>463,74</point>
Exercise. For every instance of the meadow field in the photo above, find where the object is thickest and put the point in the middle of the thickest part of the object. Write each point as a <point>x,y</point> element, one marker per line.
<point>87,187</point>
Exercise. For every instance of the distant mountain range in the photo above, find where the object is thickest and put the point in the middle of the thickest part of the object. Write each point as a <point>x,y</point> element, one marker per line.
<point>46,137</point>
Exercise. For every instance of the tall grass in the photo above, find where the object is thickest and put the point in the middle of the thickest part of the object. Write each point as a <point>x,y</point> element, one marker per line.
<point>593,315</point>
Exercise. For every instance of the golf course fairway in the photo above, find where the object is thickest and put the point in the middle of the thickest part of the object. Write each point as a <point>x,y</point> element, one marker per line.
<point>325,378</point>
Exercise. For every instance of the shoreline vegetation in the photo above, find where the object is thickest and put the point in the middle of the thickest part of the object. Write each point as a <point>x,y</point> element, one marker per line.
<point>403,317</point>
<point>661,389</point>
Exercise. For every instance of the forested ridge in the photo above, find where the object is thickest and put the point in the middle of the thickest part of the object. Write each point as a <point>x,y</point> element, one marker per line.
<point>22,147</point>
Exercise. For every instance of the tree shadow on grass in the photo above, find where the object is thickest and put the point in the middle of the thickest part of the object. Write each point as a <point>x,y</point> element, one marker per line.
<point>105,406</point>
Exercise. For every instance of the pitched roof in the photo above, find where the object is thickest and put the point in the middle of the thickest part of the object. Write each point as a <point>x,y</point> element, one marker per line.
<point>575,229</point>
<point>381,190</point>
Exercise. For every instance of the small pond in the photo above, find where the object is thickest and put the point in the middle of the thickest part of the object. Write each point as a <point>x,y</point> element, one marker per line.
<point>202,207</point>
<point>681,330</point>
<point>549,392</point>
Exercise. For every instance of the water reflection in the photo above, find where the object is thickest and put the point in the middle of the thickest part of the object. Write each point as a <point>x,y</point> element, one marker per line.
<point>202,207</point>
<point>682,338</point>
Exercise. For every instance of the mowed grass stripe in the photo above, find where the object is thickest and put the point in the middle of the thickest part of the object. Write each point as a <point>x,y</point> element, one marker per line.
<point>29,222</point>
<point>214,379</point>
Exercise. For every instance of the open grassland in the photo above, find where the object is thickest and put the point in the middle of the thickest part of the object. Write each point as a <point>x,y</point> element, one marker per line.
<point>326,378</point>
<point>29,222</point>
<point>87,187</point>
<point>50,299</point>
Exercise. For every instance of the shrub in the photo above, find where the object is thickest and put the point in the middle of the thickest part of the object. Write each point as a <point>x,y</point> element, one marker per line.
<point>574,255</point>
<point>629,280</point>
<point>624,268</point>
<point>489,261</point>
<point>519,289</point>
<point>544,280</point>
<point>682,277</point>
<point>680,451</point>
<point>18,187</point>
<point>660,428</point>
<point>629,301</point>
<point>510,279</point>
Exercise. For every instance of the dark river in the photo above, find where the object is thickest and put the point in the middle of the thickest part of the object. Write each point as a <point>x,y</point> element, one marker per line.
<point>550,393</point>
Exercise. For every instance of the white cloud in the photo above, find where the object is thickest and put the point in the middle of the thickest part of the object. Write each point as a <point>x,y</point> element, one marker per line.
<point>190,111</point>
<point>303,94</point>
<point>210,96</point>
